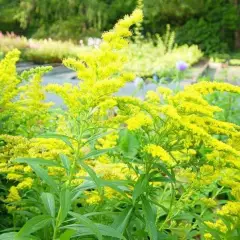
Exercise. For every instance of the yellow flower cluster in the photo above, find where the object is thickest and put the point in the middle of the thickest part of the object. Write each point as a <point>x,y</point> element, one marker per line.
<point>158,151</point>
<point>100,71</point>
<point>208,202</point>
<point>231,209</point>
<point>152,96</point>
<point>16,147</point>
<point>108,141</point>
<point>94,198</point>
<point>25,184</point>
<point>138,121</point>
<point>218,225</point>
<point>205,88</point>
<point>22,105</point>
<point>13,195</point>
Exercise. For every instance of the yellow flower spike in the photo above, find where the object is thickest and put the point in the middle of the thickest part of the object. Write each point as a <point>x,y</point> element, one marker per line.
<point>218,225</point>
<point>8,78</point>
<point>165,92</point>
<point>208,202</point>
<point>231,209</point>
<point>236,191</point>
<point>138,121</point>
<point>14,176</point>
<point>92,197</point>
<point>210,87</point>
<point>100,71</point>
<point>153,97</point>
<point>208,236</point>
<point>13,195</point>
<point>25,184</point>
<point>158,151</point>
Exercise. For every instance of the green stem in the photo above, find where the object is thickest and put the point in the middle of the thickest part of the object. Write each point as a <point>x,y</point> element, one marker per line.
<point>170,208</point>
<point>55,230</point>
<point>73,167</point>
<point>229,108</point>
<point>205,209</point>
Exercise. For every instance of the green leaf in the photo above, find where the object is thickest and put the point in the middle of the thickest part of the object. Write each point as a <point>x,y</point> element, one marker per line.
<point>96,153</point>
<point>49,203</point>
<point>8,236</point>
<point>97,136</point>
<point>128,143</point>
<point>103,229</point>
<point>39,161</point>
<point>66,163</point>
<point>77,191</point>
<point>109,231</point>
<point>139,188</point>
<point>44,176</point>
<point>87,223</point>
<point>13,236</point>
<point>161,179</point>
<point>67,234</point>
<point>65,204</point>
<point>150,218</point>
<point>210,230</point>
<point>121,222</point>
<point>93,175</point>
<point>118,186</point>
<point>165,170</point>
<point>34,224</point>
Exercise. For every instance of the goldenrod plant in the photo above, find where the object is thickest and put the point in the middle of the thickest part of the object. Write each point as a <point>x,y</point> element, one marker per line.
<point>120,167</point>
<point>22,107</point>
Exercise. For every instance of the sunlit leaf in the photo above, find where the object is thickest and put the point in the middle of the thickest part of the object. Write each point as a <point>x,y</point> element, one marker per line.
<point>49,203</point>
<point>43,174</point>
<point>150,218</point>
<point>87,223</point>
<point>65,204</point>
<point>34,225</point>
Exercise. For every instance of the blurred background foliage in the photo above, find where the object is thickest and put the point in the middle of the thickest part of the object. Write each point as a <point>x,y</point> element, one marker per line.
<point>214,25</point>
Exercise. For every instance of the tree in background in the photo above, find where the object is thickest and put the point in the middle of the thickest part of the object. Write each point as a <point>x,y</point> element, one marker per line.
<point>212,24</point>
<point>237,32</point>
<point>71,18</point>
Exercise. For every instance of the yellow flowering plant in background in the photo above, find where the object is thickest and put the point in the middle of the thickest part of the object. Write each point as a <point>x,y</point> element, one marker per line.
<point>110,167</point>
<point>22,107</point>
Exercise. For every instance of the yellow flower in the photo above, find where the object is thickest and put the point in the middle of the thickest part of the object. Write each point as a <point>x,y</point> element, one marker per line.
<point>13,195</point>
<point>236,192</point>
<point>108,141</point>
<point>218,225</point>
<point>27,169</point>
<point>92,197</point>
<point>210,87</point>
<point>208,202</point>
<point>158,151</point>
<point>164,91</point>
<point>14,176</point>
<point>152,96</point>
<point>138,121</point>
<point>230,209</point>
<point>208,236</point>
<point>25,184</point>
